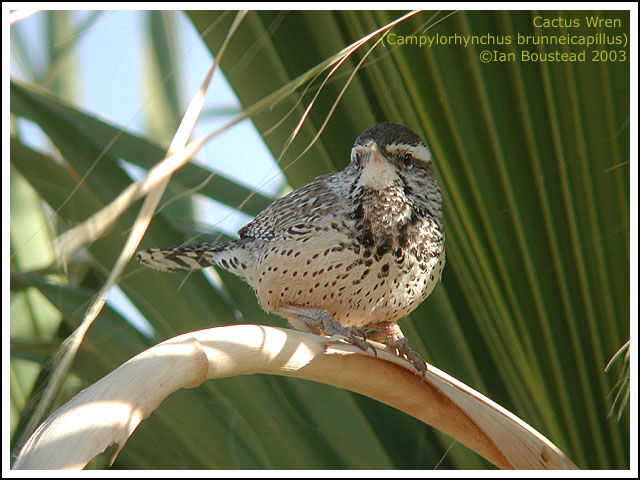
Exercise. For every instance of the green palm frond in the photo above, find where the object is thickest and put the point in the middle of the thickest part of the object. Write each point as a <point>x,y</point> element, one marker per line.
<point>533,161</point>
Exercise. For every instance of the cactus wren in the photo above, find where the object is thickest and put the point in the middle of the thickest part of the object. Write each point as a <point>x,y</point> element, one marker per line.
<point>349,252</point>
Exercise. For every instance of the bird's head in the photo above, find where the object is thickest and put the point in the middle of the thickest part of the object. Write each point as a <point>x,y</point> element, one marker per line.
<point>389,157</point>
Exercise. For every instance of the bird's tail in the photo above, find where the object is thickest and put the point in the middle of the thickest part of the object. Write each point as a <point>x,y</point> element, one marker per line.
<point>184,257</point>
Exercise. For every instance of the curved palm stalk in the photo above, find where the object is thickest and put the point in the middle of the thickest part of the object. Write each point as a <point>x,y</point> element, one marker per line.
<point>108,412</point>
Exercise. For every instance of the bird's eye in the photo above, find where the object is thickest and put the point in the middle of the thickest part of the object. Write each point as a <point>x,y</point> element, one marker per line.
<point>407,160</point>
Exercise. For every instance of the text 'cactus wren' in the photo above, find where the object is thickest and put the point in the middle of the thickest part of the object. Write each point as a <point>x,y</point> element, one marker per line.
<point>349,252</point>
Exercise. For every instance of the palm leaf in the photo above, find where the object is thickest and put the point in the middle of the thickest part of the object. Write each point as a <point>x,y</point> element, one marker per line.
<point>533,162</point>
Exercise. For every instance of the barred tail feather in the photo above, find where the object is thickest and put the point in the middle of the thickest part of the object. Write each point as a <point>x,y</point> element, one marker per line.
<point>185,257</point>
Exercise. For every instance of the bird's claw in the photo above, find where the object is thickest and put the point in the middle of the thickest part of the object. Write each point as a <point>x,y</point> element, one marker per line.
<point>359,339</point>
<point>316,318</point>
<point>402,347</point>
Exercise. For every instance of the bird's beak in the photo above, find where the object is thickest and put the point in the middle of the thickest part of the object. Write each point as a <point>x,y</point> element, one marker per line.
<point>376,155</point>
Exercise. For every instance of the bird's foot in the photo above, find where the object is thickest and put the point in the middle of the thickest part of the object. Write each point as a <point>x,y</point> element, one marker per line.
<point>402,347</point>
<point>390,333</point>
<point>314,319</point>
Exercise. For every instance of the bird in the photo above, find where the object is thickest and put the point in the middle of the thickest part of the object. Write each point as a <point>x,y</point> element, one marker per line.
<point>348,254</point>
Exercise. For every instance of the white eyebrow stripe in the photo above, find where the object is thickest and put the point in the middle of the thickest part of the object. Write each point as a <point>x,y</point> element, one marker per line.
<point>420,152</point>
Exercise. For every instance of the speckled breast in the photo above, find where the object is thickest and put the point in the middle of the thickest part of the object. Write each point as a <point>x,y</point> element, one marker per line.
<point>357,284</point>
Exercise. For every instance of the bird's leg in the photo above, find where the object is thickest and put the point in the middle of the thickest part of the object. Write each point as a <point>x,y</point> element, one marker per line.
<point>317,319</point>
<point>390,333</point>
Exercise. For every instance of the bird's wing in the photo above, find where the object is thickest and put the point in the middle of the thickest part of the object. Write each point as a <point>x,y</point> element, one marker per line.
<point>314,205</point>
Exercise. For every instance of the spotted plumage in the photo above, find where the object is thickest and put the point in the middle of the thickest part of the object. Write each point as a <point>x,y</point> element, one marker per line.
<point>350,251</point>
